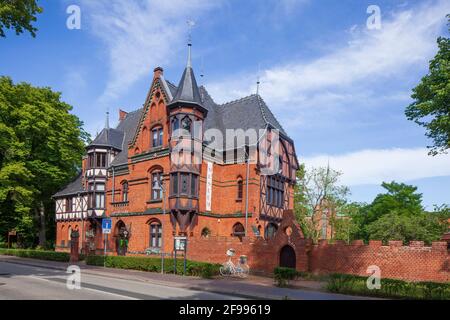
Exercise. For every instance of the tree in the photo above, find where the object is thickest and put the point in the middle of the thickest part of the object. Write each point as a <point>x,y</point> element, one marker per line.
<point>399,197</point>
<point>425,227</point>
<point>18,15</point>
<point>41,145</point>
<point>398,214</point>
<point>344,223</point>
<point>316,189</point>
<point>431,106</point>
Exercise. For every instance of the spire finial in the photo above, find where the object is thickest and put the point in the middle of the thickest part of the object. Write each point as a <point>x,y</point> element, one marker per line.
<point>107,119</point>
<point>258,79</point>
<point>191,24</point>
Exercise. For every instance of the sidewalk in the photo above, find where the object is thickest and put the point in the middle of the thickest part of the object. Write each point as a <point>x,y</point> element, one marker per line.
<point>253,287</point>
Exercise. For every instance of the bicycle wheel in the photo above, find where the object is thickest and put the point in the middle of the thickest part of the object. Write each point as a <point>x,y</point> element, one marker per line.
<point>244,271</point>
<point>224,271</point>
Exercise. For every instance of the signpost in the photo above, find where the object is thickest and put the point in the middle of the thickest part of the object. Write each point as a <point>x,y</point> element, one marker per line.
<point>106,229</point>
<point>179,244</point>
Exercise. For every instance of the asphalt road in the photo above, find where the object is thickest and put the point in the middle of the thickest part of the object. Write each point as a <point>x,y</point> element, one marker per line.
<point>20,282</point>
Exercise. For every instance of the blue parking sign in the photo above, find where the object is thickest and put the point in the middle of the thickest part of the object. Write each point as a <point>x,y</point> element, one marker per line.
<point>106,225</point>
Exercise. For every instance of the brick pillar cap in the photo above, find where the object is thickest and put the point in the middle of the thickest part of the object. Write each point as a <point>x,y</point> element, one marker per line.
<point>158,72</point>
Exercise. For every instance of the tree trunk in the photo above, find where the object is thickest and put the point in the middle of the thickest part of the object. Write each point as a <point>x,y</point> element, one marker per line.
<point>42,225</point>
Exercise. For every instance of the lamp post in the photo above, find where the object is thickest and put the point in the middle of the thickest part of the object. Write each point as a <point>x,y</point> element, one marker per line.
<point>247,156</point>
<point>159,186</point>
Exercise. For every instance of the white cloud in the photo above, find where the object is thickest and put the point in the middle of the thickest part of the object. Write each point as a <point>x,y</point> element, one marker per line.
<point>375,166</point>
<point>406,41</point>
<point>139,35</point>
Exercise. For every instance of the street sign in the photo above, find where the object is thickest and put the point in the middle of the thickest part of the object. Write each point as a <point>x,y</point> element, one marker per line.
<point>106,225</point>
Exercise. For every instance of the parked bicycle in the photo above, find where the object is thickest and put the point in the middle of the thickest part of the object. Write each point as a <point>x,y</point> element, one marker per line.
<point>230,269</point>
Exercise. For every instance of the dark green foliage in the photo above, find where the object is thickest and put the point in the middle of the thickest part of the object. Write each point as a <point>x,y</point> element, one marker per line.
<point>398,214</point>
<point>41,146</point>
<point>390,288</point>
<point>200,269</point>
<point>430,108</point>
<point>18,15</point>
<point>37,254</point>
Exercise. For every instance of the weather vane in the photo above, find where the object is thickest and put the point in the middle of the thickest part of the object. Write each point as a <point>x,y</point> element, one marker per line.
<point>191,24</point>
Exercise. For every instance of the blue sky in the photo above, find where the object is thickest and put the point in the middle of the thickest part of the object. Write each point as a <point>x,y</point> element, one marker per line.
<point>338,88</point>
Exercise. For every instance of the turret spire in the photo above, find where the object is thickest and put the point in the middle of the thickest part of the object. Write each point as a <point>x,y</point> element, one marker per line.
<point>190,24</point>
<point>107,120</point>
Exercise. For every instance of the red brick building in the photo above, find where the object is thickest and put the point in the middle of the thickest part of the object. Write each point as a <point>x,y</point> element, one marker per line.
<point>174,168</point>
<point>220,175</point>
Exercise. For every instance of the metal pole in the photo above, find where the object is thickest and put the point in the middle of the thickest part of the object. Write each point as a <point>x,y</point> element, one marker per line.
<point>175,261</point>
<point>185,251</point>
<point>246,191</point>
<point>162,226</point>
<point>104,254</point>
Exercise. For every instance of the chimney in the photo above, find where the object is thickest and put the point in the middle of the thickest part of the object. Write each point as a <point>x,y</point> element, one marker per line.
<point>122,114</point>
<point>158,72</point>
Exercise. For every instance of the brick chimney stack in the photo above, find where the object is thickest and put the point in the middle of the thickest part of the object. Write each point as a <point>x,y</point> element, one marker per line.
<point>122,114</point>
<point>158,72</point>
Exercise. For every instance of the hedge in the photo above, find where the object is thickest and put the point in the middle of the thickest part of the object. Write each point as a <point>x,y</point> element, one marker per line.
<point>390,288</point>
<point>37,254</point>
<point>201,269</point>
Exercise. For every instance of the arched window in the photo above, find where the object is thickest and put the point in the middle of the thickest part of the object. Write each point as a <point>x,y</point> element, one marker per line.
<point>63,243</point>
<point>157,137</point>
<point>125,191</point>
<point>156,185</point>
<point>69,235</point>
<point>238,231</point>
<point>271,229</point>
<point>155,234</point>
<point>240,188</point>
<point>205,232</point>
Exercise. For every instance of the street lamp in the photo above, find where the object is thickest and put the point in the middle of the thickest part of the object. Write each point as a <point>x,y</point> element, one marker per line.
<point>247,156</point>
<point>159,186</point>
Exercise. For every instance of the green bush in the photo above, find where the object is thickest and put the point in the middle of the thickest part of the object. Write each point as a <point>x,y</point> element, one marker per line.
<point>390,288</point>
<point>36,254</point>
<point>283,275</point>
<point>193,268</point>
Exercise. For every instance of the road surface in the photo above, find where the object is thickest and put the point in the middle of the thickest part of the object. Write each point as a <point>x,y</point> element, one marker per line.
<point>18,282</point>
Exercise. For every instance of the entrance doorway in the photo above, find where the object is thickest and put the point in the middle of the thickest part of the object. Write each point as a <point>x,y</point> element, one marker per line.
<point>287,257</point>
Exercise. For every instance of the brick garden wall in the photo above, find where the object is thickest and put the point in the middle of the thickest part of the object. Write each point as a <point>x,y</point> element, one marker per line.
<point>415,262</point>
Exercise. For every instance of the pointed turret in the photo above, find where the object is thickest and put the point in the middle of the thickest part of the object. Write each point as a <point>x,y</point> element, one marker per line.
<point>188,93</point>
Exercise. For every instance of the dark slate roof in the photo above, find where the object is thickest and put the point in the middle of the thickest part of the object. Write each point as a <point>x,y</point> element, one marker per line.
<point>187,89</point>
<point>173,88</point>
<point>109,138</point>
<point>73,188</point>
<point>128,126</point>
